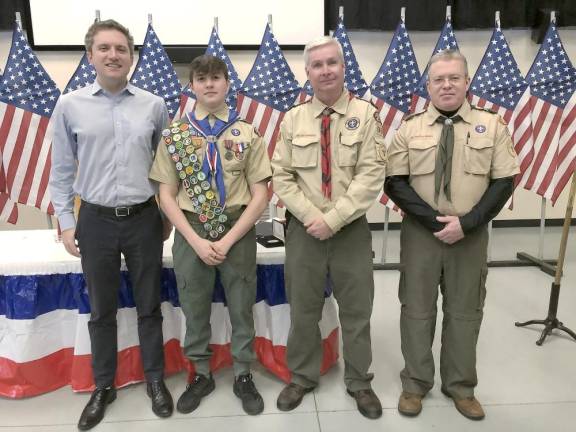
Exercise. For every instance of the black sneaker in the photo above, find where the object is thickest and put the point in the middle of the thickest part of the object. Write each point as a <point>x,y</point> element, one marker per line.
<point>244,388</point>
<point>199,387</point>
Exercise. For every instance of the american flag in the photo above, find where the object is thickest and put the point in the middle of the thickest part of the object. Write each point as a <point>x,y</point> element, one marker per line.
<point>499,86</point>
<point>154,72</point>
<point>392,87</point>
<point>269,90</point>
<point>552,80</point>
<point>353,80</point>
<point>84,75</point>
<point>8,209</point>
<point>446,40</point>
<point>27,99</point>
<point>216,49</point>
<point>187,101</point>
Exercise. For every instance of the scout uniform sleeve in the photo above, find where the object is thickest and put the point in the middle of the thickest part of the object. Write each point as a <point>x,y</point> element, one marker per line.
<point>504,160</point>
<point>63,169</point>
<point>367,181</point>
<point>284,179</point>
<point>163,169</point>
<point>258,164</point>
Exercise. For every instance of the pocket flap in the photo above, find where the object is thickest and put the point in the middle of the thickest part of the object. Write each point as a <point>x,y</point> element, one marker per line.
<point>303,141</point>
<point>422,144</point>
<point>480,143</point>
<point>350,139</point>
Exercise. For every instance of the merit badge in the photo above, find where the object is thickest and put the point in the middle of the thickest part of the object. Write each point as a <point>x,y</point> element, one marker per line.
<point>220,229</point>
<point>189,170</point>
<point>185,134</point>
<point>175,157</point>
<point>179,145</point>
<point>201,176</point>
<point>197,141</point>
<point>196,166</point>
<point>175,130</point>
<point>205,185</point>
<point>197,189</point>
<point>352,123</point>
<point>217,210</point>
<point>184,126</point>
<point>235,132</point>
<point>210,194</point>
<point>210,214</point>
<point>189,193</point>
<point>480,128</point>
<point>166,132</point>
<point>201,199</point>
<point>190,149</point>
<point>182,153</point>
<point>213,234</point>
<point>202,218</point>
<point>193,180</point>
<point>182,175</point>
<point>222,218</point>
<point>193,158</point>
<point>171,148</point>
<point>186,184</point>
<point>179,166</point>
<point>168,140</point>
<point>177,137</point>
<point>185,161</point>
<point>207,226</point>
<point>194,201</point>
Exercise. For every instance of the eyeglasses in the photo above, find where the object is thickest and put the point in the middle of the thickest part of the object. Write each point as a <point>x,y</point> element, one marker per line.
<point>452,79</point>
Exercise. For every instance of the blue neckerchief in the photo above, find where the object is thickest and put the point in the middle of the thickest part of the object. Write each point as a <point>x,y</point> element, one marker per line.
<point>212,163</point>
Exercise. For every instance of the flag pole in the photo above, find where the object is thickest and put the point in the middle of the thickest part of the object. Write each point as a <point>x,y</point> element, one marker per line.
<point>150,19</point>
<point>97,15</point>
<point>216,24</point>
<point>551,322</point>
<point>19,22</point>
<point>272,209</point>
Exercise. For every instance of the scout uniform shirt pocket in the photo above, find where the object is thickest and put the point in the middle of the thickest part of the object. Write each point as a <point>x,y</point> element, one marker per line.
<point>234,155</point>
<point>478,155</point>
<point>348,149</point>
<point>422,156</point>
<point>305,151</point>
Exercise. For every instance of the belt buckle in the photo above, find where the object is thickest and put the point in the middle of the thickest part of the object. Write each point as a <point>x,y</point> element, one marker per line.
<point>122,211</point>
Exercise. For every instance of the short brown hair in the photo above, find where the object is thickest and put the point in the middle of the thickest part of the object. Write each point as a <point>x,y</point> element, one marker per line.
<point>207,64</point>
<point>107,25</point>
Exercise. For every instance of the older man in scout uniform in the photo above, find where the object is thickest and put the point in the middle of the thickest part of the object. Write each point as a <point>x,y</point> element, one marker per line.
<point>328,163</point>
<point>451,170</point>
<point>213,171</point>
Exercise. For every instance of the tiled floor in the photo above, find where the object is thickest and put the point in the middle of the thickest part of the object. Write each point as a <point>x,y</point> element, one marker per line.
<point>523,387</point>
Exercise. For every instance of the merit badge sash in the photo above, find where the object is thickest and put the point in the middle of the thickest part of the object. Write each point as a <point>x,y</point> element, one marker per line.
<point>182,139</point>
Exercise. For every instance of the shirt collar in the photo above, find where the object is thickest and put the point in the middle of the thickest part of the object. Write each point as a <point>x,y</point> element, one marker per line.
<point>464,112</point>
<point>97,88</point>
<point>340,106</point>
<point>221,113</point>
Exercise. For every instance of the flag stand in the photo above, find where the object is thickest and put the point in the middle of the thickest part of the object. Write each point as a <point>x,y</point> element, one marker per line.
<point>551,322</point>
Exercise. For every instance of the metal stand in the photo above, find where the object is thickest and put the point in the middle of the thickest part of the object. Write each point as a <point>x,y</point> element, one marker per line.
<point>551,322</point>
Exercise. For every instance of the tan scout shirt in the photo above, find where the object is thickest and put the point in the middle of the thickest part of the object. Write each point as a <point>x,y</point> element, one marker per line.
<point>483,150</point>
<point>358,158</point>
<point>253,167</point>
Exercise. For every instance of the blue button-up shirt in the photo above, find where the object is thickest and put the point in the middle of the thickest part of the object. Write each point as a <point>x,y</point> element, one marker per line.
<point>103,148</point>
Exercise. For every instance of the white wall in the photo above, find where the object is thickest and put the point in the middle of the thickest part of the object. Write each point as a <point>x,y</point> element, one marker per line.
<point>370,48</point>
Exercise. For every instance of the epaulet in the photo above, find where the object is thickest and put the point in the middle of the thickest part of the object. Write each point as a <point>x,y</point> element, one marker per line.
<point>251,125</point>
<point>413,115</point>
<point>300,104</point>
<point>488,110</point>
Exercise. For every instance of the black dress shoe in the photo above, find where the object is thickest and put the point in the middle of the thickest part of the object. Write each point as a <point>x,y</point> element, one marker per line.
<point>94,410</point>
<point>199,387</point>
<point>162,403</point>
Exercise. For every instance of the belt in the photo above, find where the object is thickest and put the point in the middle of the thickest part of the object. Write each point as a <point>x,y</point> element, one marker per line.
<point>120,211</point>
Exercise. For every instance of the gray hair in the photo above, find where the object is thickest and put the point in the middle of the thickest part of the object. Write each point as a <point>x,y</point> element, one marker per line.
<point>321,41</point>
<point>107,25</point>
<point>449,54</point>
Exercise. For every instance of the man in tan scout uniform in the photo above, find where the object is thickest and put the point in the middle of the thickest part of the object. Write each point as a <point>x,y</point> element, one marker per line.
<point>328,167</point>
<point>213,171</point>
<point>450,169</point>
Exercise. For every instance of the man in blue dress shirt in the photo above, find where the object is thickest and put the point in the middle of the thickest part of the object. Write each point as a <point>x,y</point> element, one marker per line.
<point>105,138</point>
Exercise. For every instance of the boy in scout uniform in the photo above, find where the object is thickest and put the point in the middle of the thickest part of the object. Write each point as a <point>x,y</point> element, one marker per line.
<point>213,171</point>
<point>328,164</point>
<point>451,170</point>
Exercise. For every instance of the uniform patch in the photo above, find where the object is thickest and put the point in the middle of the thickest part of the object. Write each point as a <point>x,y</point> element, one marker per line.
<point>352,123</point>
<point>480,128</point>
<point>197,142</point>
<point>235,132</point>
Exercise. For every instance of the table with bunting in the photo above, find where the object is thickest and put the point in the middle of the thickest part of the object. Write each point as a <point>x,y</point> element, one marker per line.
<point>44,311</point>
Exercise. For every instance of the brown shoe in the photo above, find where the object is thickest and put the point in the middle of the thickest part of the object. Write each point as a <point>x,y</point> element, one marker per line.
<point>367,402</point>
<point>410,404</point>
<point>469,407</point>
<point>291,396</point>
